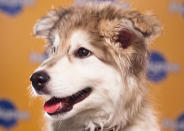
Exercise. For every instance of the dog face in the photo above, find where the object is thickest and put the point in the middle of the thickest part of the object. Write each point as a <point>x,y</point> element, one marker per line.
<point>77,77</point>
<point>97,61</point>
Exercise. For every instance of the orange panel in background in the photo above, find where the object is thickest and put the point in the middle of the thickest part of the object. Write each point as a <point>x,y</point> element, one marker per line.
<point>21,53</point>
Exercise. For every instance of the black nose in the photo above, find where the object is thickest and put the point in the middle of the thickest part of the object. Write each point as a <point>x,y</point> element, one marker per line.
<point>39,80</point>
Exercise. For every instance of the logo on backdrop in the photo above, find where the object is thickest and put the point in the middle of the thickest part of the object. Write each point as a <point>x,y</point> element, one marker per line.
<point>13,7</point>
<point>177,125</point>
<point>9,114</point>
<point>116,2</point>
<point>158,67</point>
<point>176,7</point>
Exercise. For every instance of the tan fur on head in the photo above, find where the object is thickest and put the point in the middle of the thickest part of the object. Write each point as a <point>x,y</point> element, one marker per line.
<point>108,21</point>
<point>119,39</point>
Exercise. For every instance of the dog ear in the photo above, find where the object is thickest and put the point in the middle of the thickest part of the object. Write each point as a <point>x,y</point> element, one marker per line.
<point>143,26</point>
<point>131,28</point>
<point>146,24</point>
<point>46,24</point>
<point>125,37</point>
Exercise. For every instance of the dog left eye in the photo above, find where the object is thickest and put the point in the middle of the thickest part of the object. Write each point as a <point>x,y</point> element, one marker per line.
<point>82,53</point>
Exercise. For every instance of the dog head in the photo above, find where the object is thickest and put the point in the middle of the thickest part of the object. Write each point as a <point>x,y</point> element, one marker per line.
<point>97,61</point>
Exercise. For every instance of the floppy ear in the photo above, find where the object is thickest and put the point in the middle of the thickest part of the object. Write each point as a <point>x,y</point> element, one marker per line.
<point>125,37</point>
<point>132,28</point>
<point>46,27</point>
<point>146,24</point>
<point>46,24</point>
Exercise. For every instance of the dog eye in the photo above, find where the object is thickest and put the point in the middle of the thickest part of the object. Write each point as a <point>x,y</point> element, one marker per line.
<point>82,53</point>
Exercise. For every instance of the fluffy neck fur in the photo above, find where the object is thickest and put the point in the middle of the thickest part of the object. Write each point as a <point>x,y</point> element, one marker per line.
<point>143,121</point>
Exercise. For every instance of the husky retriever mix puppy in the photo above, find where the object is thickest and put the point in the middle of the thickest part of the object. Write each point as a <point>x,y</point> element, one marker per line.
<point>94,78</point>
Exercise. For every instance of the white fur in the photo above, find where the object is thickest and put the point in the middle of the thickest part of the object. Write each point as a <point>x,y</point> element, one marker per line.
<point>104,106</point>
<point>56,40</point>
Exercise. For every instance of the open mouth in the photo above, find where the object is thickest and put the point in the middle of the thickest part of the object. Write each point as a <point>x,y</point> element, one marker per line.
<point>60,105</point>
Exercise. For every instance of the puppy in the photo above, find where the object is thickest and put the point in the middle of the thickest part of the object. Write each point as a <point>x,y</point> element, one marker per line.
<point>94,78</point>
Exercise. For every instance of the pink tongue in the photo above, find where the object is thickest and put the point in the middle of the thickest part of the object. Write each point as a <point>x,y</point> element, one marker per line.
<point>52,108</point>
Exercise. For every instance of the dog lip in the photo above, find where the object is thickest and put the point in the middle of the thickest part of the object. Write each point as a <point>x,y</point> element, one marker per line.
<point>67,103</point>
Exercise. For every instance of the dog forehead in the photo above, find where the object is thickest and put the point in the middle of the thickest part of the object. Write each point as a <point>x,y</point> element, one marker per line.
<point>79,38</point>
<point>76,38</point>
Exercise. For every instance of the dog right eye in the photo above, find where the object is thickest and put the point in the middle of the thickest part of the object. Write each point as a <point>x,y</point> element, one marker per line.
<point>82,53</point>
